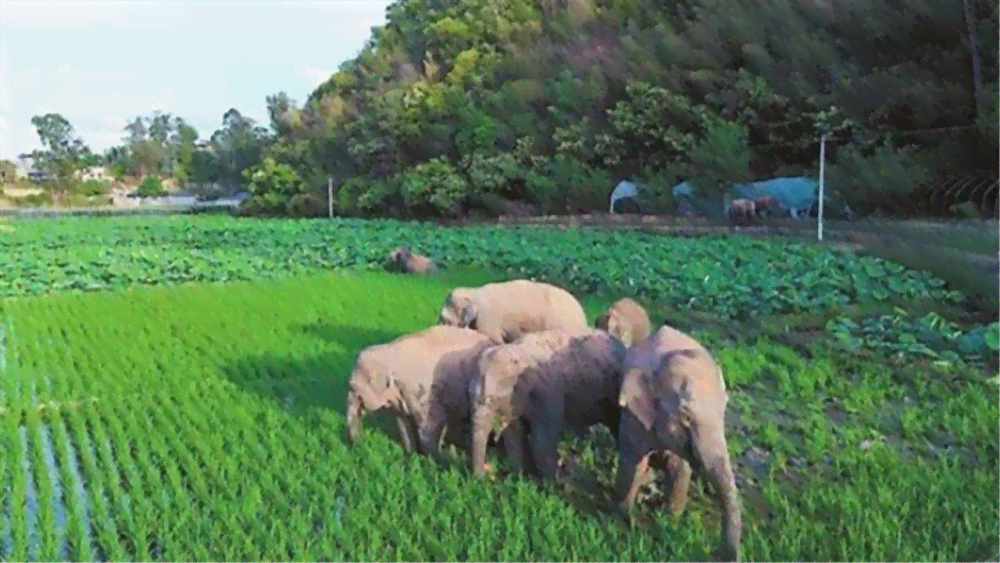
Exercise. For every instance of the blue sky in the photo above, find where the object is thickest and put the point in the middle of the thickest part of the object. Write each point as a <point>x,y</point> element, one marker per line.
<point>101,63</point>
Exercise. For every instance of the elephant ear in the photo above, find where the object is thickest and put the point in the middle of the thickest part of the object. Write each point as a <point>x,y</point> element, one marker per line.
<point>637,396</point>
<point>672,421</point>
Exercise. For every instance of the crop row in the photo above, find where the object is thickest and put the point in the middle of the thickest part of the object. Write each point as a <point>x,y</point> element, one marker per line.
<point>726,276</point>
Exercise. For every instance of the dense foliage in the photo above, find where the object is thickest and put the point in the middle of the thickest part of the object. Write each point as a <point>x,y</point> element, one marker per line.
<point>457,105</point>
<point>738,278</point>
<point>553,102</point>
<point>735,279</point>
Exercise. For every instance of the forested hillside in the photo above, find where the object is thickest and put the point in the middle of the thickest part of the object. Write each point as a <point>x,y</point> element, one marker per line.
<point>460,104</point>
<point>454,103</point>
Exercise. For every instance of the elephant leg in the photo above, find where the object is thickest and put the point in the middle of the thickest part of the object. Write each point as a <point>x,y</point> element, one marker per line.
<point>631,470</point>
<point>679,471</point>
<point>514,445</point>
<point>432,431</point>
<point>633,460</point>
<point>709,446</point>
<point>405,433</point>
<point>355,412</point>
<point>543,439</point>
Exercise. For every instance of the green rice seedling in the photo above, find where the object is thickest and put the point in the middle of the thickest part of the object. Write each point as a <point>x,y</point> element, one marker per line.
<point>46,501</point>
<point>78,537</point>
<point>229,399</point>
<point>97,487</point>
<point>16,460</point>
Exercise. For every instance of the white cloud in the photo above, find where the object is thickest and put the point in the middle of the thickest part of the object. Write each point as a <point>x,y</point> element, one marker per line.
<point>96,104</point>
<point>89,12</point>
<point>100,77</point>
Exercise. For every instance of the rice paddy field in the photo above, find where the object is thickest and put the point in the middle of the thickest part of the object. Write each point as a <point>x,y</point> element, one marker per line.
<point>172,389</point>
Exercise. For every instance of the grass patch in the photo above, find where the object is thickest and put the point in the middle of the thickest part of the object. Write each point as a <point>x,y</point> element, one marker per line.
<point>206,423</point>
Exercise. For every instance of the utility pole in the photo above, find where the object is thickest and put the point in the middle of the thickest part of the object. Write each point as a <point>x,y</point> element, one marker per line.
<point>329,195</point>
<point>977,83</point>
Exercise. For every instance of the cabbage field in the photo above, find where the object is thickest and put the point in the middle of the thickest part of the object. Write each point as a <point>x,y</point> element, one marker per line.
<point>149,412</point>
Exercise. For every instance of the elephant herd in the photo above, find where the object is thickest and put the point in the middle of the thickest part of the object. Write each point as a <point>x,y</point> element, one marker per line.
<point>516,362</point>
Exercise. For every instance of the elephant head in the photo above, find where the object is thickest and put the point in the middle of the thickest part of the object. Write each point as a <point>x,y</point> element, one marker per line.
<point>459,309</point>
<point>370,389</point>
<point>400,255</point>
<point>679,407</point>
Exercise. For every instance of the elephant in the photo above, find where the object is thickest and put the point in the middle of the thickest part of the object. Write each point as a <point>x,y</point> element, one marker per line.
<point>766,204</point>
<point>625,319</point>
<point>506,310</point>
<point>741,211</point>
<point>422,377</point>
<point>673,400</point>
<point>405,260</point>
<point>534,387</point>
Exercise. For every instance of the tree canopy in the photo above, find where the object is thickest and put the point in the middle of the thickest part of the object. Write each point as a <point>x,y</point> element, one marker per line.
<point>458,104</point>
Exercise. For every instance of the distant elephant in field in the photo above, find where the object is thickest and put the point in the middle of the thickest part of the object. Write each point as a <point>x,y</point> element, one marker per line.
<point>766,205</point>
<point>741,212</point>
<point>406,261</point>
<point>673,400</point>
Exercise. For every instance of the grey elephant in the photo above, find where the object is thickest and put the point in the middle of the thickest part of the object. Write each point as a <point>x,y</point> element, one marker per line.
<point>504,311</point>
<point>422,377</point>
<point>673,400</point>
<point>532,388</point>
<point>626,319</point>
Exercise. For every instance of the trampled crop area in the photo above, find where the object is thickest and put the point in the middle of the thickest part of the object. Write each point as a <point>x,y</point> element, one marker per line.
<point>204,421</point>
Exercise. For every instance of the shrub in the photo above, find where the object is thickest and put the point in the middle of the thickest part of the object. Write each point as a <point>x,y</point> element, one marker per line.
<point>272,177</point>
<point>151,186</point>
<point>360,195</point>
<point>720,158</point>
<point>308,205</point>
<point>435,185</point>
<point>89,188</point>
<point>656,191</point>
<point>889,178</point>
<point>251,207</point>
<point>572,186</point>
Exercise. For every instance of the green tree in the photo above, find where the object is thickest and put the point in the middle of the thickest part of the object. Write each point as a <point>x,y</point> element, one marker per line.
<point>63,152</point>
<point>238,145</point>
<point>183,148</point>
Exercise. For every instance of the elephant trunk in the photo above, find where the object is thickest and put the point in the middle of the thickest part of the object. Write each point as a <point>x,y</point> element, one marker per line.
<point>480,435</point>
<point>714,457</point>
<point>355,412</point>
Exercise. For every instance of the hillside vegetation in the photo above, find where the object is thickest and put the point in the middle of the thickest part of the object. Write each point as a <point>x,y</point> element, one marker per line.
<point>468,103</point>
<point>462,105</point>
